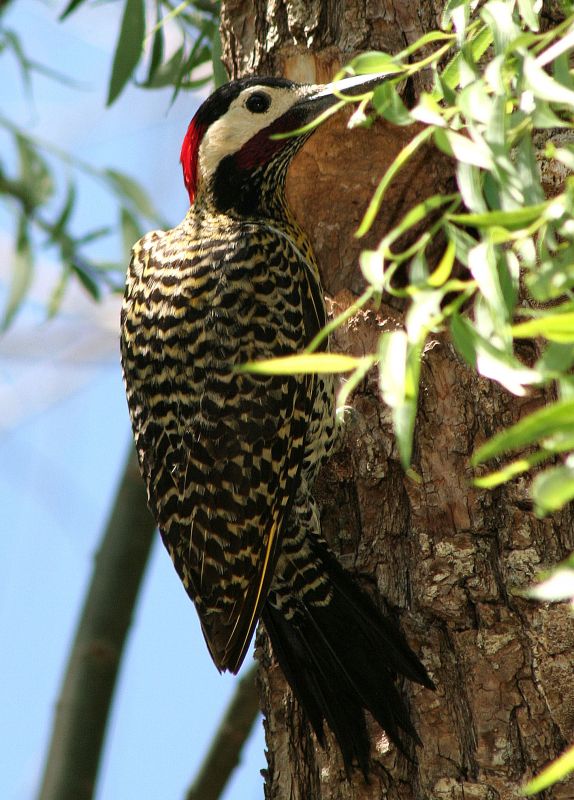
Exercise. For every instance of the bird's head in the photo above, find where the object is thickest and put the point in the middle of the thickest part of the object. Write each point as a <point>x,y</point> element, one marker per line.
<point>230,152</point>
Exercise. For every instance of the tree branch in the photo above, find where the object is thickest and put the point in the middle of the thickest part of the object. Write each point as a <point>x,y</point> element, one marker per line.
<point>83,707</point>
<point>225,751</point>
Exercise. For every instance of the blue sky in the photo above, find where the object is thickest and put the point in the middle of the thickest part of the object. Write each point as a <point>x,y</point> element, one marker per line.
<point>64,438</point>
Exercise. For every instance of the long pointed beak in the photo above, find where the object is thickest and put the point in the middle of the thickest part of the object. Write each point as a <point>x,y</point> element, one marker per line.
<point>355,85</point>
<point>315,100</point>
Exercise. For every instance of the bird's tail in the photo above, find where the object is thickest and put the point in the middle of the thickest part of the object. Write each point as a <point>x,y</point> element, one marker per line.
<point>340,656</point>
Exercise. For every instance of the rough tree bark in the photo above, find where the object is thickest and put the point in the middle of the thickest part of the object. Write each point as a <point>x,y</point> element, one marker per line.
<point>446,557</point>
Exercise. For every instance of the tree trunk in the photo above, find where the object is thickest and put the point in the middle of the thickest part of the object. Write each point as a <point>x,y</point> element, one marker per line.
<point>448,558</point>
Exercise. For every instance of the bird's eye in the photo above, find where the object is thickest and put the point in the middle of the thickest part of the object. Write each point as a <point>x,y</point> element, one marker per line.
<point>258,102</point>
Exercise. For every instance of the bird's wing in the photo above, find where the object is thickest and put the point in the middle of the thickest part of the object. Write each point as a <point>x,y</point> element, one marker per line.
<point>221,451</point>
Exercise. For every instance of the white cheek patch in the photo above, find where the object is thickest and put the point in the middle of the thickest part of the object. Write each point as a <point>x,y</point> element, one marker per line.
<point>238,125</point>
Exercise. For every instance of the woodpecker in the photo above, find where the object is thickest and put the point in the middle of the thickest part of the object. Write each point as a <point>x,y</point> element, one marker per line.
<point>229,457</point>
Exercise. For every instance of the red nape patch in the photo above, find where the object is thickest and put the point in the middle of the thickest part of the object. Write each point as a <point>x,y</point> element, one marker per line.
<point>189,155</point>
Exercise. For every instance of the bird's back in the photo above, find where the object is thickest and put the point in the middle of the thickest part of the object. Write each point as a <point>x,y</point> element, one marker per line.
<point>222,451</point>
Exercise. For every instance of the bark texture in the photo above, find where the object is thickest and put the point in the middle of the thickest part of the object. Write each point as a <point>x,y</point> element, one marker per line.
<point>448,559</point>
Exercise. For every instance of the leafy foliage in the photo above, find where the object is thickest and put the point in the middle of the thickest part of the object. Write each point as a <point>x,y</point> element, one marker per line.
<point>43,192</point>
<point>497,81</point>
<point>507,269</point>
<point>499,85</point>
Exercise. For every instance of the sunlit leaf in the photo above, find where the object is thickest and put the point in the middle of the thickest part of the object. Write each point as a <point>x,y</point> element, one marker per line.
<point>463,148</point>
<point>554,327</point>
<point>498,16</point>
<point>552,489</point>
<point>510,471</point>
<point>304,363</point>
<point>557,586</point>
<point>399,372</point>
<point>482,262</point>
<point>542,85</point>
<point>553,773</point>
<point>428,111</point>
<point>533,428</point>
<point>373,62</point>
<point>529,10</point>
<point>513,220</point>
<point>372,266</point>
<point>387,103</point>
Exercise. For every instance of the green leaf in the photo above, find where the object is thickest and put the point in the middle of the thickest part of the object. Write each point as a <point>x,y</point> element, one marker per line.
<point>392,370</point>
<point>465,338</point>
<point>529,12</point>
<point>131,232</point>
<point>21,273</point>
<point>513,220</point>
<point>319,363</point>
<point>428,111</point>
<point>157,49</point>
<point>399,383</point>
<point>528,172</point>
<point>374,61</point>
<point>498,16</point>
<point>423,314</point>
<point>451,74</point>
<point>463,242</point>
<point>412,218</point>
<point>542,85</point>
<point>510,471</point>
<point>457,12</point>
<point>72,6</point>
<point>557,586</point>
<point>166,74</point>
<point>35,175</point>
<point>503,367</point>
<point>483,265</point>
<point>57,295</point>
<point>556,771</point>
<point>128,49</point>
<point>554,327</point>
<point>129,189</point>
<point>429,38</point>
<point>470,185</point>
<point>219,72</point>
<point>536,426</point>
<point>475,102</point>
<point>59,225</point>
<point>372,266</point>
<point>463,149</point>
<point>387,102</point>
<point>552,489</point>
<point>83,271</point>
<point>444,268</point>
<point>557,357</point>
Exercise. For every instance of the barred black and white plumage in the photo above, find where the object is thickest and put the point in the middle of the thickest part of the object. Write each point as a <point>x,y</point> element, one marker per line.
<point>230,458</point>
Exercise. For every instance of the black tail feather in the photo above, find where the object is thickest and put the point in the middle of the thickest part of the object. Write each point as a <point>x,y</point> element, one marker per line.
<point>341,657</point>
